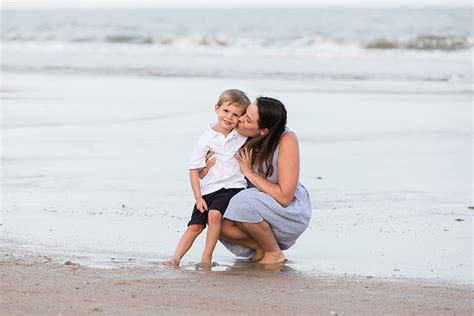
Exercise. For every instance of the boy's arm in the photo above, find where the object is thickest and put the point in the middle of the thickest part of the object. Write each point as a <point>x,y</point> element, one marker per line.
<point>194,177</point>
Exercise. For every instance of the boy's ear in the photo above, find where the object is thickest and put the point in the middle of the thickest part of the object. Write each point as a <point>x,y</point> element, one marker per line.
<point>264,131</point>
<point>216,108</point>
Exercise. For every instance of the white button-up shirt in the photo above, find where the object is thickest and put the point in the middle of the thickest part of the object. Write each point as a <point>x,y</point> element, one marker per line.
<point>226,171</point>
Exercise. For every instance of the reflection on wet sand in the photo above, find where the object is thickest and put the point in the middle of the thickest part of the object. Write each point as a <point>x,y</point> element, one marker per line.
<point>239,266</point>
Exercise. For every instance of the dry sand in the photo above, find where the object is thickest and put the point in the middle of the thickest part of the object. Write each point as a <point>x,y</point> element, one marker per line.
<point>40,285</point>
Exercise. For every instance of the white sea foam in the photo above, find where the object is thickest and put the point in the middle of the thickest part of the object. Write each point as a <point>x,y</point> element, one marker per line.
<point>306,47</point>
<point>58,37</point>
<point>353,63</point>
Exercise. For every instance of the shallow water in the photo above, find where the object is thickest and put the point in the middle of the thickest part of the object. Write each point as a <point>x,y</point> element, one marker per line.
<point>96,167</point>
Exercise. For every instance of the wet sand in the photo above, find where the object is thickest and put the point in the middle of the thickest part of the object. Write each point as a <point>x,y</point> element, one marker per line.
<point>388,173</point>
<point>38,285</point>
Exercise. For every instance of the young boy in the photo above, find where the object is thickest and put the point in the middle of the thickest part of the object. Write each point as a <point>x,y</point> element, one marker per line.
<point>223,180</point>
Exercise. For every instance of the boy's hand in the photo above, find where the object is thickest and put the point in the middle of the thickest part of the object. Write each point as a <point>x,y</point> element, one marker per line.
<point>201,205</point>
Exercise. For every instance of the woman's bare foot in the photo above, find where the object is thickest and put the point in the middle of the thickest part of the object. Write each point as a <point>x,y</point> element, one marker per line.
<point>171,262</point>
<point>273,258</point>
<point>259,254</point>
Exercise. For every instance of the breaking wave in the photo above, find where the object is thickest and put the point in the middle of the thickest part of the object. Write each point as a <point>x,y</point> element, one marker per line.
<point>420,42</point>
<point>424,42</point>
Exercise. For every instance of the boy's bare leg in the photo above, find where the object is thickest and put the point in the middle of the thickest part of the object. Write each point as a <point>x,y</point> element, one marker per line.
<point>184,244</point>
<point>214,220</point>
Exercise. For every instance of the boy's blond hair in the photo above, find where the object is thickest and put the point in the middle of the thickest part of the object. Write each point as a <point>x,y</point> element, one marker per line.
<point>235,97</point>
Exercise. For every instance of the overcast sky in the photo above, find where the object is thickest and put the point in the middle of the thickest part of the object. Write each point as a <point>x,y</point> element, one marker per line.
<point>46,4</point>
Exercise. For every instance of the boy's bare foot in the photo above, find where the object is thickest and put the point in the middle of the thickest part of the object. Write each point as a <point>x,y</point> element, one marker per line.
<point>273,258</point>
<point>259,254</point>
<point>204,266</point>
<point>171,262</point>
<point>206,260</point>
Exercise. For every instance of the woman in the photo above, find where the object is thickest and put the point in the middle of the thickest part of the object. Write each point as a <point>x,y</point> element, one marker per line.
<point>273,212</point>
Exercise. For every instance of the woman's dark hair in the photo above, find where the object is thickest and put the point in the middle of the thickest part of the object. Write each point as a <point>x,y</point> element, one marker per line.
<point>272,116</point>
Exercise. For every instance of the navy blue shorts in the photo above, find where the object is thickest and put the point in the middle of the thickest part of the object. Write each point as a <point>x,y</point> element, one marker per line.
<point>215,201</point>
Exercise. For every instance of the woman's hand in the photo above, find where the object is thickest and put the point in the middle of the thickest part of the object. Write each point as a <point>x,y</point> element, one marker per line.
<point>209,163</point>
<point>244,159</point>
<point>288,171</point>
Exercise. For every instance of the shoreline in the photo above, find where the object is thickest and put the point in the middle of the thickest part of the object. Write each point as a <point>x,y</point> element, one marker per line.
<point>110,260</point>
<point>33,283</point>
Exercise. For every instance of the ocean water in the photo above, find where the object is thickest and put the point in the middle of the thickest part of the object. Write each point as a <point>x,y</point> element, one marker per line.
<point>100,109</point>
<point>357,44</point>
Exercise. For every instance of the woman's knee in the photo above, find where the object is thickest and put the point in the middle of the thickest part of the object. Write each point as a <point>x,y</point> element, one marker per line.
<point>227,223</point>
<point>227,227</point>
<point>263,225</point>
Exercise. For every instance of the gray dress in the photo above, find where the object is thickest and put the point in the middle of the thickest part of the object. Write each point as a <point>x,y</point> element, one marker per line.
<point>252,206</point>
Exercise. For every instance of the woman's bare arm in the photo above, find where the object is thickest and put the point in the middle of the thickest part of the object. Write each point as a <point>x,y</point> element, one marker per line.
<point>209,163</point>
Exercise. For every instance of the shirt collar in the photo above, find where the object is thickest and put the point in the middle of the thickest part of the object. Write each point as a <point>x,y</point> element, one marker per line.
<point>212,133</point>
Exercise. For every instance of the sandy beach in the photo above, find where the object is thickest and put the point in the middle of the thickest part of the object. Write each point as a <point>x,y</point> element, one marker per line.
<point>99,113</point>
<point>40,285</point>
